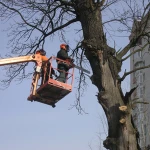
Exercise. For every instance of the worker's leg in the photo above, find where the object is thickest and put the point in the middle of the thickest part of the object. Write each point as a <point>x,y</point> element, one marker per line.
<point>62,70</point>
<point>48,73</point>
<point>42,76</point>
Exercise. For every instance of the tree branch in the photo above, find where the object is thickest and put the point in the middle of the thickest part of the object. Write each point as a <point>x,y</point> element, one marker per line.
<point>98,2</point>
<point>62,26</point>
<point>138,31</point>
<point>138,50</point>
<point>102,2</point>
<point>128,95</point>
<point>66,3</point>
<point>112,20</point>
<point>124,51</point>
<point>132,43</point>
<point>17,11</point>
<point>140,102</point>
<point>134,70</point>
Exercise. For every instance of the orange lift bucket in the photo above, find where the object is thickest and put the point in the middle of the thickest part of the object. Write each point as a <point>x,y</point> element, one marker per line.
<point>51,90</point>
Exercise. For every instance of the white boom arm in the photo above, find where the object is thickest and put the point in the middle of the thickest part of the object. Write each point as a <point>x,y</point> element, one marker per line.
<point>16,60</point>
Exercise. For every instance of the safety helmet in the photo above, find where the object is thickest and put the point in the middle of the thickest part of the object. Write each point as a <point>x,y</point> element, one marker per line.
<point>41,52</point>
<point>64,47</point>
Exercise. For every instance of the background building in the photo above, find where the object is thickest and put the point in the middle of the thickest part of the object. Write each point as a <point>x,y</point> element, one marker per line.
<point>141,78</point>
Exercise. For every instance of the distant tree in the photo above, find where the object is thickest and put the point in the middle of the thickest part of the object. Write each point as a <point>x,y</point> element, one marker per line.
<point>46,17</point>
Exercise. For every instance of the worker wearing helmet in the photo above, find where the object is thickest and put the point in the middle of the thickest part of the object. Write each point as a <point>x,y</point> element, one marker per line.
<point>43,54</point>
<point>45,65</point>
<point>63,67</point>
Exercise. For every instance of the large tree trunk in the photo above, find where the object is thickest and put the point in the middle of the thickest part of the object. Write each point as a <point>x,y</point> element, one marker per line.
<point>105,67</point>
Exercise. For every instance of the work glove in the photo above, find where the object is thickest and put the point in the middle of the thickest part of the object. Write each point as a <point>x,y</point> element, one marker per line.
<point>72,60</point>
<point>56,75</point>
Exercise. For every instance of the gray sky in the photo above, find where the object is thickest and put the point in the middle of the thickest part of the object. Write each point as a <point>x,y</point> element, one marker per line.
<point>25,125</point>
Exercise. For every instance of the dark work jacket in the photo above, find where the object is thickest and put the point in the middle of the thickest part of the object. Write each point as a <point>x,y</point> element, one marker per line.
<point>62,54</point>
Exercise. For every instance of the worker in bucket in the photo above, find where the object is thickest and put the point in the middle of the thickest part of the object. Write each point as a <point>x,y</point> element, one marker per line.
<point>45,66</point>
<point>63,67</point>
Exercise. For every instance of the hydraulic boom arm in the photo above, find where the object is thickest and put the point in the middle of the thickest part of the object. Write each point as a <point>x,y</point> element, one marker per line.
<point>21,59</point>
<point>37,58</point>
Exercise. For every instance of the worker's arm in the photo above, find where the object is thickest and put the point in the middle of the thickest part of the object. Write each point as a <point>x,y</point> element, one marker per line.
<point>44,58</point>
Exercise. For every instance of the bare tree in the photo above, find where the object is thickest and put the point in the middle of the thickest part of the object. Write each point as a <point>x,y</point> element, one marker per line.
<point>46,17</point>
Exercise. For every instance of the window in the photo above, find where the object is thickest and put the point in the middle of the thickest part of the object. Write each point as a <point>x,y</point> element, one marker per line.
<point>140,78</point>
<point>145,129</point>
<point>143,77</point>
<point>139,64</point>
<point>143,90</point>
<point>133,74</point>
<point>135,93</point>
<point>149,48</point>
<point>140,53</point>
<point>141,108</point>
<point>136,55</point>
<point>140,91</point>
<point>142,142</point>
<point>139,42</point>
<point>134,80</point>
<point>134,116</point>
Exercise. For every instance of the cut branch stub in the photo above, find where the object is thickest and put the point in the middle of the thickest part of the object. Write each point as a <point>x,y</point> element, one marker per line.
<point>123,108</point>
<point>122,120</point>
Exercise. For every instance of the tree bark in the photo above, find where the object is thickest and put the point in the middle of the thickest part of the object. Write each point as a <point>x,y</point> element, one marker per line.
<point>105,67</point>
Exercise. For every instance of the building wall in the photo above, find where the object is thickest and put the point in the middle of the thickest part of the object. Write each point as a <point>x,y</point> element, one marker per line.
<point>141,78</point>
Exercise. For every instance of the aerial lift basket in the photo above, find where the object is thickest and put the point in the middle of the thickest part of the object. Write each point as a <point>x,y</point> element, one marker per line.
<point>51,90</point>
